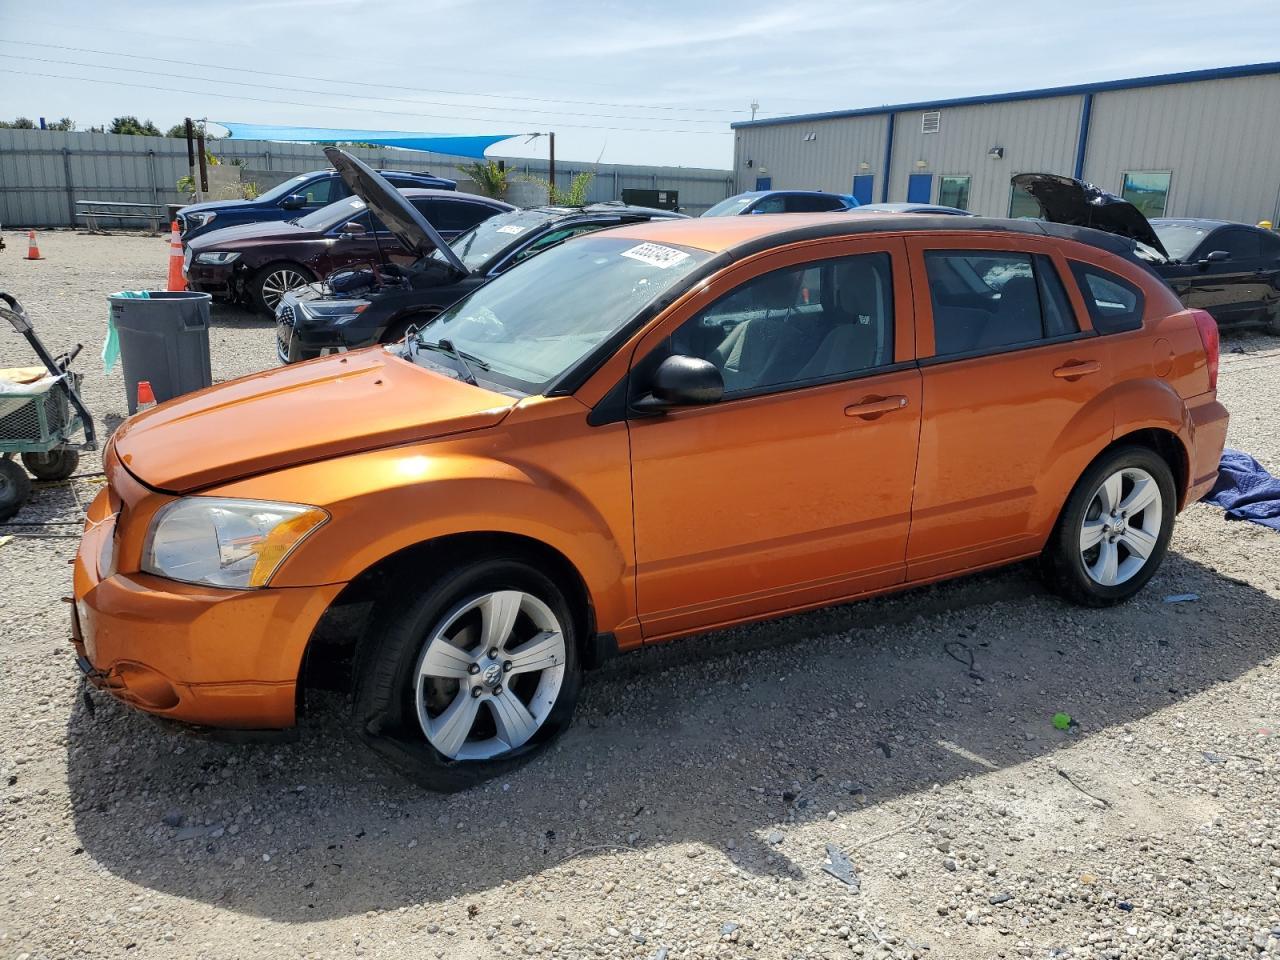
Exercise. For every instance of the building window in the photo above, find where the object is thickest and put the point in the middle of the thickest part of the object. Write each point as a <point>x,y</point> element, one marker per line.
<point>1149,192</point>
<point>1023,204</point>
<point>954,192</point>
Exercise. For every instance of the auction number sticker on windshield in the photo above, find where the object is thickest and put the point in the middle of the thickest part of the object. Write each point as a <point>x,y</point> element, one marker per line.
<point>511,228</point>
<point>656,255</point>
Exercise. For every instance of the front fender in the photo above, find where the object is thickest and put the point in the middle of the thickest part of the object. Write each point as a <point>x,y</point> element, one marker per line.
<point>570,492</point>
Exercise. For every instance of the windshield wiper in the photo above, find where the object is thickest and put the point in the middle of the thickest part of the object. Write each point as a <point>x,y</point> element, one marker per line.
<point>465,361</point>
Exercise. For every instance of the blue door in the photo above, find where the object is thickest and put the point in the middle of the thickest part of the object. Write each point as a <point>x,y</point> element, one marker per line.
<point>920,188</point>
<point>863,187</point>
<point>764,183</point>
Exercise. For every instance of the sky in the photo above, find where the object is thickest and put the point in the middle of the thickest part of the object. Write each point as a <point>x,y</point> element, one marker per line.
<point>619,82</point>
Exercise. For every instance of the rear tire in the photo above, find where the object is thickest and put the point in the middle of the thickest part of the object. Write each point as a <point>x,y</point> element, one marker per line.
<point>271,282</point>
<point>430,698</point>
<point>54,465</point>
<point>1114,530</point>
<point>15,488</point>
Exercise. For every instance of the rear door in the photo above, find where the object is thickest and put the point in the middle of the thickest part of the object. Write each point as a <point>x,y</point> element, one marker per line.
<point>1011,369</point>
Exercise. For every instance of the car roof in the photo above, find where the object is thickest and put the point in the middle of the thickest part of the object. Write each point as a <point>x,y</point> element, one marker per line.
<point>418,192</point>
<point>742,236</point>
<point>910,208</point>
<point>608,207</point>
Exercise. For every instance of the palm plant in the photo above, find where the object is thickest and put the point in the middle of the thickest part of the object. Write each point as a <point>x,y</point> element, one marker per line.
<point>489,177</point>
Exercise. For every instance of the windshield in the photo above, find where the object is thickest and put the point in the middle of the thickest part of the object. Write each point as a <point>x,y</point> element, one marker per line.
<point>1180,239</point>
<point>730,207</point>
<point>284,189</point>
<point>533,322</point>
<point>494,236</point>
<point>334,214</point>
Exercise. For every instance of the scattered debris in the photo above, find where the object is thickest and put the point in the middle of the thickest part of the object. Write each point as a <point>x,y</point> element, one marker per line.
<point>962,653</point>
<point>1062,721</point>
<point>1182,598</point>
<point>999,898</point>
<point>1067,777</point>
<point>841,867</point>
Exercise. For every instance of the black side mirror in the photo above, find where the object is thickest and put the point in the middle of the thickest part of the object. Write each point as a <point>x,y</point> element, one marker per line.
<point>682,381</point>
<point>295,201</point>
<point>1214,256</point>
<point>352,230</point>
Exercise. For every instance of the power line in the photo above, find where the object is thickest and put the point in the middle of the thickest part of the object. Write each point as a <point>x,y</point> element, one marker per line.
<point>320,106</point>
<point>331,93</point>
<point>378,86</point>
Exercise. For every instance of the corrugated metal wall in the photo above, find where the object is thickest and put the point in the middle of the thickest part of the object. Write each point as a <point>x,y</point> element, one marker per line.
<point>1037,135</point>
<point>1220,139</point>
<point>43,172</point>
<point>828,162</point>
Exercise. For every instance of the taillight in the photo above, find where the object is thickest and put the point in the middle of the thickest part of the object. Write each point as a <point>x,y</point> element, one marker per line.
<point>1208,328</point>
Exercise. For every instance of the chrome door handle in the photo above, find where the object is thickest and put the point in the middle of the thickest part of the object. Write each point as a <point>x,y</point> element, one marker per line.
<point>873,407</point>
<point>1073,371</point>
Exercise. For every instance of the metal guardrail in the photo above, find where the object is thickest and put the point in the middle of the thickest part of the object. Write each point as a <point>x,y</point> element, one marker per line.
<point>91,211</point>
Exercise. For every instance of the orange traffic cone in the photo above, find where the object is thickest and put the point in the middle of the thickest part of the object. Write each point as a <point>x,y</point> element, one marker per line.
<point>177,281</point>
<point>146,396</point>
<point>33,249</point>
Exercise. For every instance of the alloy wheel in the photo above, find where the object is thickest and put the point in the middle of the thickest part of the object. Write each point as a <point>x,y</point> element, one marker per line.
<point>489,675</point>
<point>277,283</point>
<point>1121,526</point>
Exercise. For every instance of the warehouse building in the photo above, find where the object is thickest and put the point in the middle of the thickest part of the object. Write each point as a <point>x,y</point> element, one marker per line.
<point>1205,143</point>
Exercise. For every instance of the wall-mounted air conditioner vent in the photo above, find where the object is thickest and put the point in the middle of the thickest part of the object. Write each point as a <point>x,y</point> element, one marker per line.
<point>931,122</point>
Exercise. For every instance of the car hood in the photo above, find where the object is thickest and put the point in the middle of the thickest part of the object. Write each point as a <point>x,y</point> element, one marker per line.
<point>1080,204</point>
<point>390,206</point>
<point>270,230</point>
<point>214,205</point>
<point>325,408</point>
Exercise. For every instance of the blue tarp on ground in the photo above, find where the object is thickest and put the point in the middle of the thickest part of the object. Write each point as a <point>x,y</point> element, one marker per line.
<point>1246,490</point>
<point>454,144</point>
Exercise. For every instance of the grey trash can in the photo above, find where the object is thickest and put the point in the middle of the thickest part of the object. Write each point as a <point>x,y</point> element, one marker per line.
<point>164,338</point>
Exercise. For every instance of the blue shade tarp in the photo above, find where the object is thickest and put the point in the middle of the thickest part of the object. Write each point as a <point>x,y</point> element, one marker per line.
<point>1246,490</point>
<point>454,144</point>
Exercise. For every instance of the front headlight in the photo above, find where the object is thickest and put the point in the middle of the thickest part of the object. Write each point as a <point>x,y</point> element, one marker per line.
<point>226,543</point>
<point>217,258</point>
<point>200,219</point>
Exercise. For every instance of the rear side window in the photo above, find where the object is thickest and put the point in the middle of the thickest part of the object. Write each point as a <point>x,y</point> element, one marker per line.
<point>987,300</point>
<point>800,203</point>
<point>449,215</point>
<point>1114,304</point>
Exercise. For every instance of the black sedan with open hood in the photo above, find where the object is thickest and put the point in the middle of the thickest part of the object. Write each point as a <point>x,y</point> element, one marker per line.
<point>356,308</point>
<point>1232,270</point>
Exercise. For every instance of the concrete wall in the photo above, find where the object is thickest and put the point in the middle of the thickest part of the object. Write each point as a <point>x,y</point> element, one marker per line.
<point>43,172</point>
<point>1220,139</point>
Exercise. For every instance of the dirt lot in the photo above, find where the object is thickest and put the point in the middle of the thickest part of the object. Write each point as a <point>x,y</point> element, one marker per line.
<point>687,812</point>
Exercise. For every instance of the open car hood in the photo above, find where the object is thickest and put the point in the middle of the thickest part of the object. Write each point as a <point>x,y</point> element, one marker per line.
<point>402,218</point>
<point>1071,201</point>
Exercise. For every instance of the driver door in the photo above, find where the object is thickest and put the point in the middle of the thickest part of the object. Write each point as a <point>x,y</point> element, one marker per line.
<point>795,489</point>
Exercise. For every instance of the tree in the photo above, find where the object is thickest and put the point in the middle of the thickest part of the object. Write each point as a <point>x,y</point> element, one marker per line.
<point>22,123</point>
<point>490,178</point>
<point>575,196</point>
<point>66,124</point>
<point>177,130</point>
<point>133,127</point>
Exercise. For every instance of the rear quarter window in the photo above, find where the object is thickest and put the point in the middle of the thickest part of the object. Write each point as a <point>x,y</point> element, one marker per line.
<point>1114,304</point>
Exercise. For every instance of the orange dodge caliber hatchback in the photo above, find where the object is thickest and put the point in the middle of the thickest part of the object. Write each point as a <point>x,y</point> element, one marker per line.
<point>642,433</point>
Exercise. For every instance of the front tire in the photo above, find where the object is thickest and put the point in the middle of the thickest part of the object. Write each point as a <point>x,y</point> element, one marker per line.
<point>1114,530</point>
<point>470,676</point>
<point>271,283</point>
<point>15,488</point>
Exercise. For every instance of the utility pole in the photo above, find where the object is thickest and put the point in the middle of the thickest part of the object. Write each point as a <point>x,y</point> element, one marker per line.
<point>551,168</point>
<point>755,105</point>
<point>191,157</point>
<point>204,173</point>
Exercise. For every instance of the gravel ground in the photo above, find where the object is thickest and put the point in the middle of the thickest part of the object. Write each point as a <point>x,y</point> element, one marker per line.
<point>689,810</point>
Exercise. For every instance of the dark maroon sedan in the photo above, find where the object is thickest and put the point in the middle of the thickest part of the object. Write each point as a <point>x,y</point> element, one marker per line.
<point>257,262</point>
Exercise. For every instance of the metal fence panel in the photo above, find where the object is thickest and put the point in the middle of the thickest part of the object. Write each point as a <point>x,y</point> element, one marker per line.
<point>44,172</point>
